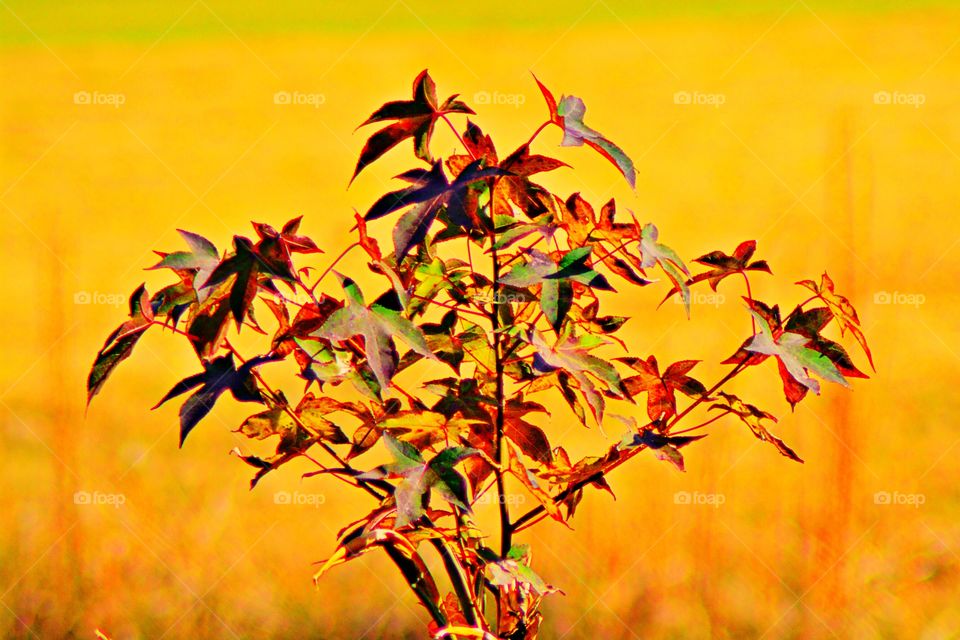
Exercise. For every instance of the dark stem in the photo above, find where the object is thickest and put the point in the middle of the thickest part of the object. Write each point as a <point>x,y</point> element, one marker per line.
<point>505,530</point>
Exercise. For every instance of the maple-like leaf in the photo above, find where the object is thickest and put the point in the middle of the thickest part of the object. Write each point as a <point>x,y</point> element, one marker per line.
<point>418,477</point>
<point>378,325</point>
<point>723,265</point>
<point>414,119</point>
<point>568,113</point>
<point>275,248</point>
<point>753,417</point>
<point>536,487</point>
<point>294,439</point>
<point>530,438</point>
<point>311,413</point>
<point>661,399</point>
<point>584,227</point>
<point>513,571</point>
<point>428,193</point>
<point>586,471</point>
<point>654,253</point>
<point>572,355</point>
<point>513,189</point>
<point>219,375</point>
<point>555,280</point>
<point>200,261</point>
<point>270,257</point>
<point>119,344</point>
<point>792,352</point>
<point>244,268</point>
<point>842,310</point>
<point>666,448</point>
<point>809,323</point>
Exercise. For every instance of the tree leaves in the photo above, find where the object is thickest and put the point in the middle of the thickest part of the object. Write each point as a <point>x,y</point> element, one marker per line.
<point>428,193</point>
<point>310,413</point>
<point>572,355</point>
<point>539,327</point>
<point>414,119</point>
<point>417,477</point>
<point>724,266</point>
<point>200,261</point>
<point>119,345</point>
<point>513,571</point>
<point>753,418</point>
<point>555,280</point>
<point>661,400</point>
<point>243,266</point>
<point>377,325</point>
<point>219,375</point>
<point>666,448</point>
<point>841,309</point>
<point>513,189</point>
<point>568,114</point>
<point>655,253</point>
<point>792,353</point>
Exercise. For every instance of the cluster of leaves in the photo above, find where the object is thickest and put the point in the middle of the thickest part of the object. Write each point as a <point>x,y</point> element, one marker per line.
<point>493,292</point>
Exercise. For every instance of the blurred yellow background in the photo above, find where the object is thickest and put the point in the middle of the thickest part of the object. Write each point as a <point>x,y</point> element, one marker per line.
<point>826,131</point>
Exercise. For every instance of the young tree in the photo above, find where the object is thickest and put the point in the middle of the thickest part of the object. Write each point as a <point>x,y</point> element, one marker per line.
<point>497,281</point>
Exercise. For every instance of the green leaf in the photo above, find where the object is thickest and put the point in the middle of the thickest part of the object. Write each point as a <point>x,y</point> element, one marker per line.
<point>792,352</point>
<point>571,354</point>
<point>655,253</point>
<point>418,477</point>
<point>378,326</point>
<point>556,294</point>
<point>201,260</point>
<point>575,133</point>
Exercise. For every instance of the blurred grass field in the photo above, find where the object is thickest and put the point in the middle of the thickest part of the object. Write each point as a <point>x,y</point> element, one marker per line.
<point>799,156</point>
